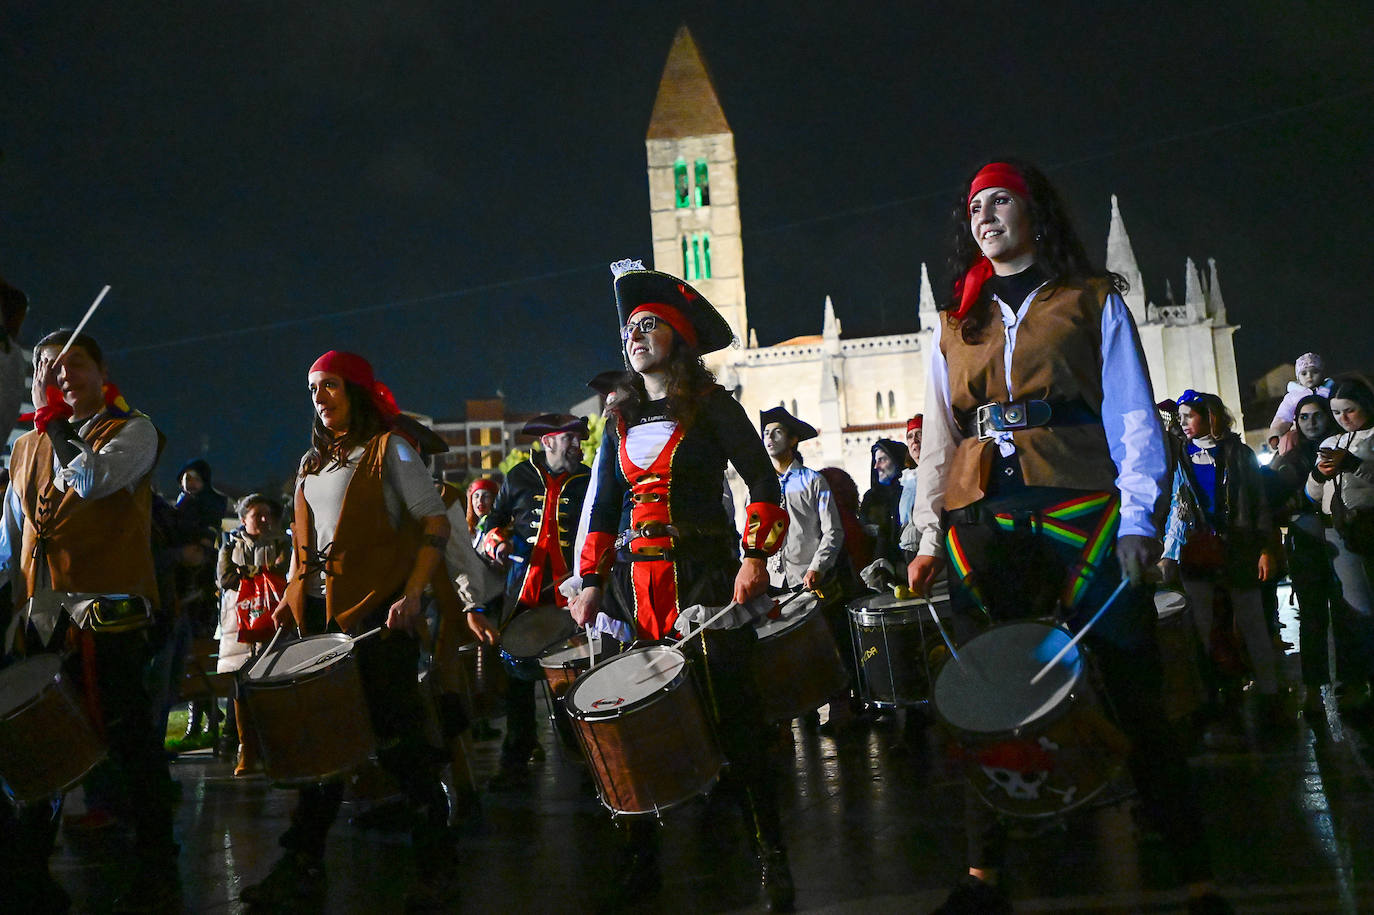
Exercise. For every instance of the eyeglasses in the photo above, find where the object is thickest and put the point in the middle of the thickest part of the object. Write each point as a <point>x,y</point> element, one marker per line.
<point>645,325</point>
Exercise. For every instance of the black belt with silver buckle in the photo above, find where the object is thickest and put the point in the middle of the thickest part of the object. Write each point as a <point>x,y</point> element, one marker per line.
<point>990,418</point>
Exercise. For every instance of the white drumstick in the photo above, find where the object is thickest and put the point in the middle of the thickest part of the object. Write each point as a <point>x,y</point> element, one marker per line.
<point>591,647</point>
<point>949,643</point>
<point>1082,632</point>
<point>723,610</point>
<point>89,311</point>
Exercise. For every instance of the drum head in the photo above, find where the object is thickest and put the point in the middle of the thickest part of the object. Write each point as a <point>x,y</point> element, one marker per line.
<point>1169,603</point>
<point>766,628</point>
<point>624,681</point>
<point>989,690</point>
<point>571,651</point>
<point>323,650</point>
<point>535,630</point>
<point>19,683</point>
<point>884,609</point>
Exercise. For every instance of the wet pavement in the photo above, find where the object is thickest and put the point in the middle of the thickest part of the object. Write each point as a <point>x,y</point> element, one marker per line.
<point>874,821</point>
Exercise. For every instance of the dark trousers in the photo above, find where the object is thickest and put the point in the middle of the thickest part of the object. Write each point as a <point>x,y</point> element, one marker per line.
<point>119,660</point>
<point>521,722</point>
<point>1318,591</point>
<point>1022,572</point>
<point>388,665</point>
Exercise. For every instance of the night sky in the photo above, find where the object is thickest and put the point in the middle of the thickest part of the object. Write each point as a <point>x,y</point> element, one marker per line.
<point>440,186</point>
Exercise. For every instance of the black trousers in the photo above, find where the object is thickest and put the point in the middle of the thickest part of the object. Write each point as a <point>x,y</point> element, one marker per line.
<point>1023,572</point>
<point>120,659</point>
<point>388,665</point>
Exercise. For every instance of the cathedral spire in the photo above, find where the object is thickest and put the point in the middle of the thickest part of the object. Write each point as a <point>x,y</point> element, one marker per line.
<point>1193,298</point>
<point>1216,307</point>
<point>830,329</point>
<point>925,307</point>
<point>686,105</point>
<point>1121,259</point>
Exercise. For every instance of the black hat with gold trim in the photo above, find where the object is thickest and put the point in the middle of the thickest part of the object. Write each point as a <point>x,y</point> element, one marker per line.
<point>688,312</point>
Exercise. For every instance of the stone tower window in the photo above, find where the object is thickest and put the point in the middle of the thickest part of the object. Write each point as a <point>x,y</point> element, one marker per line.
<point>696,258</point>
<point>878,403</point>
<point>686,260</point>
<point>705,255</point>
<point>681,190</point>
<point>891,405</point>
<point>703,184</point>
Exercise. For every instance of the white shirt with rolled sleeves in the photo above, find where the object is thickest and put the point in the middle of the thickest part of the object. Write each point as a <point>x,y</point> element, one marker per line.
<point>121,463</point>
<point>814,534</point>
<point>1129,419</point>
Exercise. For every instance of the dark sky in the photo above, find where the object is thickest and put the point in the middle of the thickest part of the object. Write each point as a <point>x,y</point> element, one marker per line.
<point>440,186</point>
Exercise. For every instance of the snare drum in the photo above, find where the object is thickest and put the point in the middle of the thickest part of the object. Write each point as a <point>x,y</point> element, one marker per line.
<point>563,664</point>
<point>1029,750</point>
<point>896,647</point>
<point>47,741</point>
<point>796,665</point>
<point>312,724</point>
<point>529,635</point>
<point>644,731</point>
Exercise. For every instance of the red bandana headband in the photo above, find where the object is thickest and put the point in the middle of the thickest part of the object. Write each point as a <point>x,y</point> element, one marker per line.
<point>675,318</point>
<point>354,368</point>
<point>969,287</point>
<point>485,483</point>
<point>915,422</point>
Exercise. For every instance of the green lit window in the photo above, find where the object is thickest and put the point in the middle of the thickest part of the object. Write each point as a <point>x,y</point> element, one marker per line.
<point>706,255</point>
<point>680,189</point>
<point>703,184</point>
<point>696,258</point>
<point>686,260</point>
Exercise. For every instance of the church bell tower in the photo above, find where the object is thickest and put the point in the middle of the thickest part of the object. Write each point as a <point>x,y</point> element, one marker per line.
<point>693,191</point>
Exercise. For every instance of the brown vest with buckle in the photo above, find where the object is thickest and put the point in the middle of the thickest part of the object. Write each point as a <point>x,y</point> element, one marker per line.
<point>1058,358</point>
<point>90,546</point>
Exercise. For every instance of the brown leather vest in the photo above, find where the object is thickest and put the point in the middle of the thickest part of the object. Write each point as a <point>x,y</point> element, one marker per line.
<point>369,560</point>
<point>91,546</point>
<point>1058,358</point>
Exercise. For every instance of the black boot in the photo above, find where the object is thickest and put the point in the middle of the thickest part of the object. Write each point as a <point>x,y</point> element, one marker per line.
<point>972,896</point>
<point>775,875</point>
<point>194,711</point>
<point>295,882</point>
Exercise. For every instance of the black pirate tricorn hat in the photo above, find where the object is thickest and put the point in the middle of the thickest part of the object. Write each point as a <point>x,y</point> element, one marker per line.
<point>635,286</point>
<point>554,423</point>
<point>796,428</point>
<point>604,383</point>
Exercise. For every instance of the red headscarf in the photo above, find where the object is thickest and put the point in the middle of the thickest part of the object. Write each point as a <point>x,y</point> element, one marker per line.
<point>915,422</point>
<point>675,318</point>
<point>354,368</point>
<point>968,287</point>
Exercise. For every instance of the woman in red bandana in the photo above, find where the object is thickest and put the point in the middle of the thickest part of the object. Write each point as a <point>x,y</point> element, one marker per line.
<point>670,431</point>
<point>1041,472</point>
<point>369,535</point>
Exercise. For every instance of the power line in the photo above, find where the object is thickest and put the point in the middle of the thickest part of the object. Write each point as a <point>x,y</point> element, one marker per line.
<point>768,230</point>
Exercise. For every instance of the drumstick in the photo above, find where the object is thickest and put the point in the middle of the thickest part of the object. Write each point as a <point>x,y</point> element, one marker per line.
<point>1082,632</point>
<point>949,643</point>
<point>723,610</point>
<point>79,327</point>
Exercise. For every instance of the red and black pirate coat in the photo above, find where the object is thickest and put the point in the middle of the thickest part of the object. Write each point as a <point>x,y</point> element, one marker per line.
<point>682,540</point>
<point>537,511</point>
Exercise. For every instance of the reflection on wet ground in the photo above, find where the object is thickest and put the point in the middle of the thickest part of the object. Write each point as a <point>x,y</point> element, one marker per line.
<point>874,821</point>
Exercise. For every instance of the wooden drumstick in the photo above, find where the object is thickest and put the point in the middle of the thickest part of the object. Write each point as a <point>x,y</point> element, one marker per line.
<point>81,326</point>
<point>1082,632</point>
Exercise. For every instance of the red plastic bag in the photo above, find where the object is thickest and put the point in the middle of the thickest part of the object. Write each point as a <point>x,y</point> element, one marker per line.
<point>258,597</point>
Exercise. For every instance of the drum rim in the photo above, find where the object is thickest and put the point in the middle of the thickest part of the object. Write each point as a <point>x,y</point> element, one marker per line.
<point>1070,697</point>
<point>896,614</point>
<point>50,681</point>
<point>630,706</point>
<point>341,640</point>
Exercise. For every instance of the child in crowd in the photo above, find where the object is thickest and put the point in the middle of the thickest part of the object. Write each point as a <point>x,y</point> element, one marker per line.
<point>1310,370</point>
<point>258,549</point>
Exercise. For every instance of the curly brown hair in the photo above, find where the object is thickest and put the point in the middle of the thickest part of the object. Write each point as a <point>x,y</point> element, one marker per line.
<point>1057,247</point>
<point>688,380</point>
